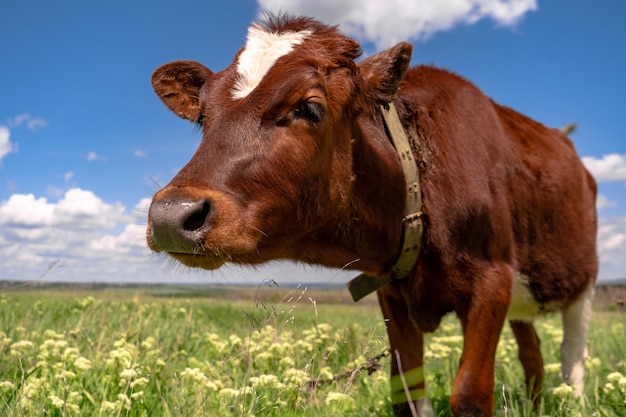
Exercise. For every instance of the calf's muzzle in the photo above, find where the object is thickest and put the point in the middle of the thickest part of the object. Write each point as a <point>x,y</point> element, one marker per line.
<point>202,227</point>
<point>178,225</point>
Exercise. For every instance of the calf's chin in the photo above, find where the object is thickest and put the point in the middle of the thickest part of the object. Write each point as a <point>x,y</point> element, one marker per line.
<point>209,263</point>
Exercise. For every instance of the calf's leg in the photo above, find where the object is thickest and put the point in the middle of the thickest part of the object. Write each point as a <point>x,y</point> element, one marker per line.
<point>472,391</point>
<point>530,357</point>
<point>406,342</point>
<point>576,319</point>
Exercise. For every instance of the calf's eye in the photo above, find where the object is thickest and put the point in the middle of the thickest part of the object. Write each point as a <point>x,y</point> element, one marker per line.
<point>310,111</point>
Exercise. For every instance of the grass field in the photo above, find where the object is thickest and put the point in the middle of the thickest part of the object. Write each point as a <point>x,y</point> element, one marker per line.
<point>216,351</point>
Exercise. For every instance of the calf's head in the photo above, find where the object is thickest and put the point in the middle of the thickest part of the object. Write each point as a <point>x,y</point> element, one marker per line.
<point>280,128</point>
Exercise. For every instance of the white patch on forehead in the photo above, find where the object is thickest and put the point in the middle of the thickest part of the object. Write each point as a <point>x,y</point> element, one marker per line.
<point>262,50</point>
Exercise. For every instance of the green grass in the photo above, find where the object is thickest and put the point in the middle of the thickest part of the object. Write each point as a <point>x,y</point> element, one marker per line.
<point>235,352</point>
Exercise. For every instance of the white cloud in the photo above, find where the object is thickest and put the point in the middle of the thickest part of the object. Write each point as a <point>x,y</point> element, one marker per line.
<point>133,237</point>
<point>6,147</point>
<point>36,123</point>
<point>603,202</point>
<point>54,192</point>
<point>18,120</point>
<point>387,22</point>
<point>611,167</point>
<point>80,228</point>
<point>82,209</point>
<point>26,210</point>
<point>78,209</point>
<point>32,123</point>
<point>92,156</point>
<point>139,153</point>
<point>612,247</point>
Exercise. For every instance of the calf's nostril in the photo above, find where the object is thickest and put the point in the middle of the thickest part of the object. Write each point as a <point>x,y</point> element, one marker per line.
<point>197,218</point>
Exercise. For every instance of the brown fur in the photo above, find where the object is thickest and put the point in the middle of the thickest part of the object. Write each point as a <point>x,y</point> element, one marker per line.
<point>502,194</point>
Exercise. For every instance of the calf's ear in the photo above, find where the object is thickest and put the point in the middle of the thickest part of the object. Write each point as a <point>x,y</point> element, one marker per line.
<point>383,71</point>
<point>178,85</point>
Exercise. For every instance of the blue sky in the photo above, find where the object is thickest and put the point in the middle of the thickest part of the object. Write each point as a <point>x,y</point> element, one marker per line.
<point>84,142</point>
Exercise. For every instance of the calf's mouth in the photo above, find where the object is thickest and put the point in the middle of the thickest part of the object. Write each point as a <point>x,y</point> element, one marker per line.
<point>199,228</point>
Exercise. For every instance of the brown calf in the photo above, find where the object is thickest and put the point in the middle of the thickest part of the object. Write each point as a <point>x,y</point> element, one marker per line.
<point>295,163</point>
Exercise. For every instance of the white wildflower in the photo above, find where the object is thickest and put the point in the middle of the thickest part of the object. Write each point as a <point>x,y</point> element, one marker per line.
<point>148,343</point>
<point>137,395</point>
<point>614,376</point>
<point>21,347</point>
<point>295,377</point>
<point>139,382</point>
<point>6,386</point>
<point>608,388</point>
<point>554,368</point>
<point>194,374</point>
<point>56,401</point>
<point>228,394</point>
<point>106,406</point>
<point>124,401</point>
<point>82,363</point>
<point>563,390</point>
<point>128,373</point>
<point>340,401</point>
